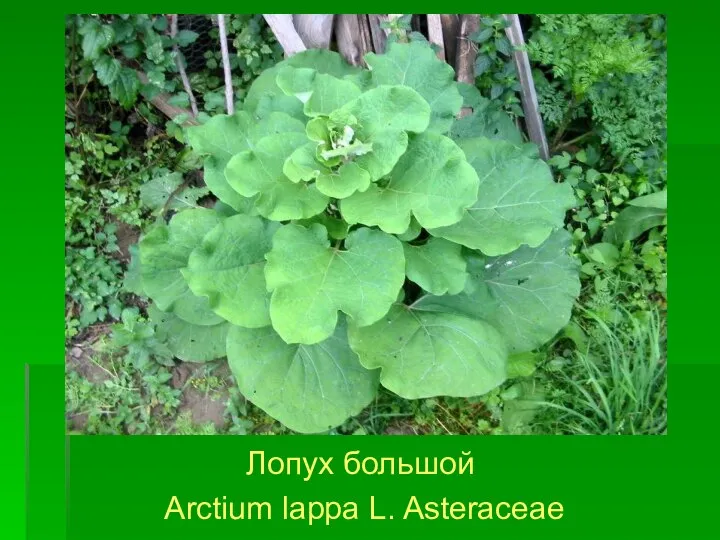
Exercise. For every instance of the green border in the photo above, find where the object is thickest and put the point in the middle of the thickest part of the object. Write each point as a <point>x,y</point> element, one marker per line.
<point>31,41</point>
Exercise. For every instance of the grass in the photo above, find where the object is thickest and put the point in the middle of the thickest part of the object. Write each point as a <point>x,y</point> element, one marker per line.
<point>616,385</point>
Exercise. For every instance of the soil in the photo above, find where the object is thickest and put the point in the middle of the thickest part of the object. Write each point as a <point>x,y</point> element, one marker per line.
<point>204,405</point>
<point>127,235</point>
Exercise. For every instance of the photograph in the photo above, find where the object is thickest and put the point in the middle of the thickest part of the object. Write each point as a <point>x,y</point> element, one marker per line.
<point>365,224</point>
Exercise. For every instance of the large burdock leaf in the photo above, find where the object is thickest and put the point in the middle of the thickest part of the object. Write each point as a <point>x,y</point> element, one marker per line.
<point>424,354</point>
<point>190,342</point>
<point>432,181</point>
<point>309,388</point>
<point>223,136</point>
<point>265,96</point>
<point>259,172</point>
<point>164,252</point>
<point>527,295</point>
<point>321,93</point>
<point>323,61</point>
<point>416,65</point>
<point>311,281</point>
<point>518,201</point>
<point>228,267</point>
<point>438,266</point>
<point>487,120</point>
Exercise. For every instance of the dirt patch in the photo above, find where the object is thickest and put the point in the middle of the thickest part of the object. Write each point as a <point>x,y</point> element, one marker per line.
<point>79,357</point>
<point>401,429</point>
<point>127,235</point>
<point>205,391</point>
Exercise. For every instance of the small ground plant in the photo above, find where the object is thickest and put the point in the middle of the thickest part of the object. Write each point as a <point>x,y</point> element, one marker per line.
<point>363,236</point>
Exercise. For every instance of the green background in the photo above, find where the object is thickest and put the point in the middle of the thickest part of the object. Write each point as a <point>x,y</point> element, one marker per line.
<point>119,487</point>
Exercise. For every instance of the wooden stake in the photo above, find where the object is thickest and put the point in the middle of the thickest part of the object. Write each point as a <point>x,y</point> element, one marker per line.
<point>379,38</point>
<point>229,99</point>
<point>284,29</point>
<point>181,66</point>
<point>351,39</point>
<point>314,30</point>
<point>533,120</point>
<point>450,29</point>
<point>466,54</point>
<point>435,34</point>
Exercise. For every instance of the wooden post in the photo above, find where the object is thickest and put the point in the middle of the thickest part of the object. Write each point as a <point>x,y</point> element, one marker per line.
<point>435,34</point>
<point>229,93</point>
<point>314,30</point>
<point>351,39</point>
<point>284,29</point>
<point>179,62</point>
<point>533,120</point>
<point>379,38</point>
<point>466,54</point>
<point>451,30</point>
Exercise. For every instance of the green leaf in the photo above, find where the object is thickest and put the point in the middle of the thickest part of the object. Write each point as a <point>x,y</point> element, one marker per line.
<point>502,44</point>
<point>471,95</point>
<point>264,97</point>
<point>437,266</point>
<point>527,295</point>
<point>190,342</point>
<point>482,63</point>
<point>157,77</point>
<point>633,221</point>
<point>131,50</point>
<point>654,200</point>
<point>383,117</point>
<point>496,91</point>
<point>605,254</point>
<point>133,279</point>
<point>431,181</point>
<point>329,94</point>
<point>323,61</point>
<point>487,121</point>
<point>416,65</point>
<point>336,228</point>
<point>96,38</point>
<point>345,181</point>
<point>481,36</point>
<point>312,281</point>
<point>186,37</point>
<point>412,232</point>
<point>309,388</point>
<point>228,267</point>
<point>518,200</point>
<point>423,354</point>
<point>296,82</point>
<point>321,93</point>
<point>163,190</point>
<point>522,365</point>
<point>259,172</point>
<point>125,87</point>
<point>164,252</point>
<point>107,69</point>
<point>224,136</point>
<point>302,165</point>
